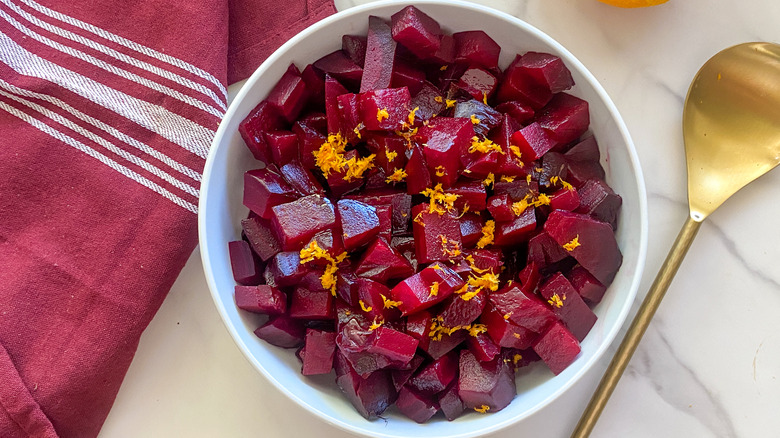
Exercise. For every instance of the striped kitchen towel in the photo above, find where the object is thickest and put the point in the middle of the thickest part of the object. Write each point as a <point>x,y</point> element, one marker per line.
<point>107,111</point>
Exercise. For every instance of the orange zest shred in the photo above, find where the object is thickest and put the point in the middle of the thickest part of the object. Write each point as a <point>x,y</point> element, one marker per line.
<point>556,301</point>
<point>364,306</point>
<point>434,289</point>
<point>440,201</point>
<point>490,180</point>
<point>410,117</point>
<point>328,278</point>
<point>443,67</point>
<point>397,176</point>
<point>453,250</point>
<point>359,128</point>
<point>376,324</point>
<point>516,358</point>
<point>516,335</point>
<point>390,304</point>
<point>573,243</point>
<point>357,166</point>
<point>330,156</point>
<point>507,315</point>
<point>528,178</point>
<point>440,171</point>
<point>436,267</point>
<point>450,103</point>
<point>487,234</point>
<point>474,119</point>
<point>476,329</point>
<point>382,114</point>
<point>516,151</point>
<point>483,146</point>
<point>438,99</point>
<point>484,98</point>
<point>390,154</point>
<point>465,210</point>
<point>470,258</point>
<point>418,219</point>
<point>488,280</point>
<point>520,206</point>
<point>482,409</point>
<point>558,180</point>
<point>506,178</point>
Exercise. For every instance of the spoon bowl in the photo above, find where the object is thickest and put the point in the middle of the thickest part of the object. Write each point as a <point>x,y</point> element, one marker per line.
<point>731,127</point>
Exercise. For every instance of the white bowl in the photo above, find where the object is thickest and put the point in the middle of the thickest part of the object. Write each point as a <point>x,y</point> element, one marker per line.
<point>221,210</point>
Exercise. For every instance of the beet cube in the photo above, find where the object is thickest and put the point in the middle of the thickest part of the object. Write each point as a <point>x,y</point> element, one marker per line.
<point>401,206</point>
<point>483,118</point>
<point>283,146</point>
<point>264,188</point>
<point>481,384</point>
<point>371,395</point>
<point>315,84</point>
<point>459,312</point>
<point>565,118</point>
<point>447,135</point>
<point>597,199</point>
<point>470,229</point>
<point>437,236</point>
<point>333,89</point>
<point>434,377</point>
<point>311,304</point>
<point>471,194</point>
<point>289,95</point>
<point>522,309</point>
<point>544,251</point>
<point>264,117</point>
<point>404,75</point>
<point>285,269</point>
<point>439,347</point>
<point>400,377</point>
<point>385,215</point>
<point>355,48</point>
<point>296,222</point>
<point>301,179</point>
<point>582,161</point>
<point>428,101</point>
<point>319,349</point>
<point>242,262</point>
<point>380,55</point>
<point>517,230</point>
<point>504,332</point>
<point>500,207</point>
<point>590,289</point>
<point>518,85</point>
<point>546,70</point>
<point>529,278</point>
<point>557,347</point>
<point>381,262</point>
<point>349,116</point>
<point>418,325</point>
<point>475,47</point>
<point>282,331</point>
<point>261,299</point>
<point>370,295</point>
<point>568,305</point>
<point>417,407</point>
<point>347,286</point>
<point>510,162</point>
<point>565,199</point>
<point>488,259</point>
<point>390,151</point>
<point>338,65</point>
<point>416,31</point>
<point>517,189</point>
<point>396,346</point>
<point>418,176</point>
<point>518,111</point>
<point>359,223</point>
<point>428,287</point>
<point>450,403</point>
<point>596,248</point>
<point>477,83</point>
<point>482,347</point>
<point>260,237</point>
<point>384,109</point>
<point>533,141</point>
<point>446,53</point>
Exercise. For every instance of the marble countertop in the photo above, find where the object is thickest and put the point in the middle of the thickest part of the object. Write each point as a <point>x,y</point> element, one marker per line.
<point>709,363</point>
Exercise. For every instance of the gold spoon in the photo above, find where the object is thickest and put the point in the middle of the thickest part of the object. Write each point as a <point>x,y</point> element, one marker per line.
<point>731,127</point>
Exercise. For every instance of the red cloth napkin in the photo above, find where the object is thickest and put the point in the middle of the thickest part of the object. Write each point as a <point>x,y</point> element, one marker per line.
<point>107,110</point>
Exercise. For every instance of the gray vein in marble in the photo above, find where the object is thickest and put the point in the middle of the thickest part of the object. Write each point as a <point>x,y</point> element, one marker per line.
<point>680,386</point>
<point>731,247</point>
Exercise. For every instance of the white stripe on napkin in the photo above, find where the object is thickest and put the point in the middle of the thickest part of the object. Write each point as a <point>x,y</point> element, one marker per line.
<point>173,164</point>
<point>173,127</point>
<point>114,69</point>
<point>117,55</point>
<point>97,155</point>
<point>140,48</point>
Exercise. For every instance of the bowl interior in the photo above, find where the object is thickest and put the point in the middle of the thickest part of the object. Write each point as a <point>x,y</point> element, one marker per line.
<point>221,210</point>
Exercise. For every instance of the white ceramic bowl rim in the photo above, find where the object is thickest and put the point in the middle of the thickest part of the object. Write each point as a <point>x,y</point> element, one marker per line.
<point>570,61</point>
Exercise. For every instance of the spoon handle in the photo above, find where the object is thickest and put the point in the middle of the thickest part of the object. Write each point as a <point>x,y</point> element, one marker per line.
<point>637,330</point>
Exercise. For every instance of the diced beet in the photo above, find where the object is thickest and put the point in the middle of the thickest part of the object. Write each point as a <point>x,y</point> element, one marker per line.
<point>285,269</point>
<point>347,286</point>
<point>529,278</point>
<point>352,340</point>
<point>418,177</point>
<point>524,310</point>
<point>434,377</point>
<point>301,179</point>
<point>437,348</point>
<point>500,207</point>
<point>533,141</point>
<point>509,162</point>
<point>333,89</point>
<point>338,181</point>
<point>597,250</point>
<point>483,117</point>
<point>261,299</point>
<point>583,162</point>
<point>518,85</point>
<point>289,95</point>
<point>557,347</point>
<point>565,118</point>
<point>518,111</point>
<point>470,229</point>
<point>309,141</point>
<point>478,83</point>
<point>330,240</point>
<point>319,348</point>
<point>459,312</point>
<point>553,165</point>
<point>311,304</point>
<point>448,135</point>
<point>260,237</point>
<point>349,116</point>
<point>242,263</point>
<point>315,83</point>
<point>475,47</point>
<point>405,246</point>
<point>400,201</point>
<point>481,384</point>
<point>437,236</point>
<point>263,118</point>
<point>546,70</point>
<point>446,53</point>
<point>381,262</point>
<point>418,325</point>
<point>544,251</point>
<point>482,347</point>
<point>283,146</point>
<point>265,188</point>
<point>597,199</point>
<point>405,75</point>
<point>428,101</point>
<point>296,222</point>
<point>372,395</point>
<point>400,377</point>
<point>417,407</point>
<point>488,259</point>
<point>565,199</point>
<point>385,109</point>
<point>505,333</point>
<point>371,296</point>
<point>396,346</point>
<point>590,289</point>
<point>380,55</point>
<point>282,331</point>
<point>450,403</point>
<point>416,292</point>
<point>517,230</point>
<point>355,47</point>
<point>385,215</point>
<point>568,305</point>
<point>359,223</point>
<point>338,65</point>
<point>390,151</point>
<point>416,31</point>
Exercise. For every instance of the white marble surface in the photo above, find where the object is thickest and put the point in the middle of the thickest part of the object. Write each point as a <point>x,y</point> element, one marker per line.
<point>710,362</point>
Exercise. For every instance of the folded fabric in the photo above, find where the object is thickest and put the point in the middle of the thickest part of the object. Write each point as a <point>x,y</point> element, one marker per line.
<point>107,112</point>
